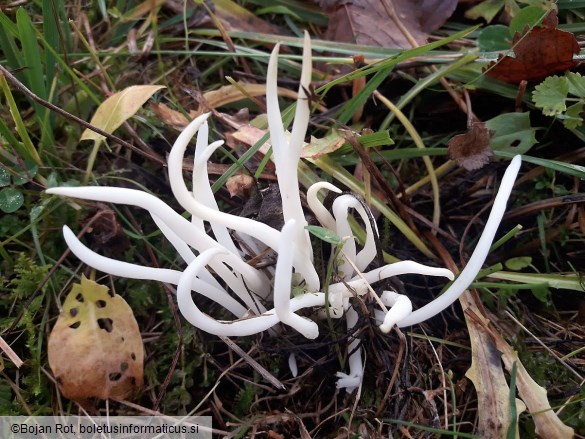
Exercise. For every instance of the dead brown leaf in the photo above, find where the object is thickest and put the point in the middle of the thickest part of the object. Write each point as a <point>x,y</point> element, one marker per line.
<point>487,376</point>
<point>95,349</point>
<point>240,185</point>
<point>547,423</point>
<point>367,21</point>
<point>471,150</point>
<point>539,52</point>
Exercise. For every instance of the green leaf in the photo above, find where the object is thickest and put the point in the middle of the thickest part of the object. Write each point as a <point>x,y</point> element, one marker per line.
<point>494,38</point>
<point>10,200</point>
<point>22,176</point>
<point>512,132</point>
<point>529,16</point>
<point>550,95</point>
<point>519,263</point>
<point>487,10</point>
<point>576,84</point>
<point>542,293</point>
<point>325,234</point>
<point>573,116</point>
<point>317,147</point>
<point>4,177</point>
<point>26,149</point>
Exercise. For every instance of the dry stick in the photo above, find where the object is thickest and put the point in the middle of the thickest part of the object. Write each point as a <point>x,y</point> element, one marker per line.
<point>20,86</point>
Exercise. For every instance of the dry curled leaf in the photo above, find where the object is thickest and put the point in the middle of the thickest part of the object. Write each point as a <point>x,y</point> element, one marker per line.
<point>95,349</point>
<point>471,150</point>
<point>170,117</point>
<point>240,186</point>
<point>539,52</point>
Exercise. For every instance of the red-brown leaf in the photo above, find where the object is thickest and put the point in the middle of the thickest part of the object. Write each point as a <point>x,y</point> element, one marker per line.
<point>539,53</point>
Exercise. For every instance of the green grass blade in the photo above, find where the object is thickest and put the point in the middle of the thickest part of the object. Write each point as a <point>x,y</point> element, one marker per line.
<point>511,434</point>
<point>394,60</point>
<point>34,72</point>
<point>566,168</point>
<point>51,35</point>
<point>26,149</point>
<point>31,53</point>
<point>8,33</point>
<point>560,281</point>
<point>351,106</point>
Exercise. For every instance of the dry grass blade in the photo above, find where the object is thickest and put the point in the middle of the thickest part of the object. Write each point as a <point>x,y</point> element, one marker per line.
<point>253,363</point>
<point>10,353</point>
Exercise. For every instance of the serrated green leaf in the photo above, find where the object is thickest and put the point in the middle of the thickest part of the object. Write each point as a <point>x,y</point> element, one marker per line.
<point>512,132</point>
<point>572,117</point>
<point>10,200</point>
<point>519,263</point>
<point>576,84</point>
<point>550,95</point>
<point>494,38</point>
<point>325,235</point>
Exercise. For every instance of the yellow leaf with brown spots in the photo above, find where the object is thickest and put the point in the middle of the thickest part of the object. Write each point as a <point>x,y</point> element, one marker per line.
<point>95,349</point>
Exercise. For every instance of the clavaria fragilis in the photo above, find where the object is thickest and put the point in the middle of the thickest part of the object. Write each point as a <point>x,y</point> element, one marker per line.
<point>259,299</point>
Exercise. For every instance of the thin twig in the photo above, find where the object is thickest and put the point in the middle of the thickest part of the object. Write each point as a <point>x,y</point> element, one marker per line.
<point>20,86</point>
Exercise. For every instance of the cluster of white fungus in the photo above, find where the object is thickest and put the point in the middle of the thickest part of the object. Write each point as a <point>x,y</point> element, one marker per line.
<point>260,299</point>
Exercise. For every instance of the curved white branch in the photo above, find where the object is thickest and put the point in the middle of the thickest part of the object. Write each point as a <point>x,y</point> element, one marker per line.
<point>255,280</point>
<point>287,155</point>
<point>401,307</point>
<point>133,271</point>
<point>234,328</point>
<point>352,380</point>
<point>282,285</point>
<point>258,230</point>
<point>479,254</point>
<point>362,259</point>
<point>201,187</point>
<point>323,215</point>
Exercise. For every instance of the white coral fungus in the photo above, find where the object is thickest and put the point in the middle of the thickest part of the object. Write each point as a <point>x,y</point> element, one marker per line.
<point>259,299</point>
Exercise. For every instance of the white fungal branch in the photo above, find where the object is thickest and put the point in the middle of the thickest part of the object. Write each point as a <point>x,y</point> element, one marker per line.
<point>261,299</point>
